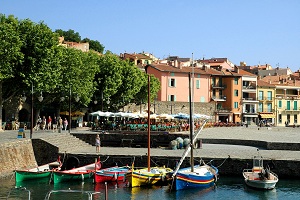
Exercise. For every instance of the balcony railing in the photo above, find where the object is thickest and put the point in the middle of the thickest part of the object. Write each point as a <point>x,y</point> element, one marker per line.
<point>223,109</point>
<point>216,97</point>
<point>220,86</point>
<point>291,108</point>
<point>249,111</point>
<point>291,97</point>
<point>250,87</point>
<point>249,99</point>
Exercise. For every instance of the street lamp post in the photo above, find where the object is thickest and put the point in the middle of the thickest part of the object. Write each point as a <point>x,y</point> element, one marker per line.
<point>70,120</point>
<point>40,98</point>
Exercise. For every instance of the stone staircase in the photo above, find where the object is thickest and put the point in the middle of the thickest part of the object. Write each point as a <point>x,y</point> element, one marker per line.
<point>67,143</point>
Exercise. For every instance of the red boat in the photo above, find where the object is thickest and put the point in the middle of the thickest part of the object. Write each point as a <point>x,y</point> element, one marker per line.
<point>111,174</point>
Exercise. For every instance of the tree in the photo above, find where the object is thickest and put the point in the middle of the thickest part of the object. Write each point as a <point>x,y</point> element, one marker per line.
<point>94,45</point>
<point>70,35</point>
<point>10,54</point>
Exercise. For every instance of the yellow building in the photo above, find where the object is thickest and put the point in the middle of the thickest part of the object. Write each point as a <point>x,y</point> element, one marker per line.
<point>288,110</point>
<point>266,105</point>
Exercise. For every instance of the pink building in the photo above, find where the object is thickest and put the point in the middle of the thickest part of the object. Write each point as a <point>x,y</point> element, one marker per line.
<point>175,83</point>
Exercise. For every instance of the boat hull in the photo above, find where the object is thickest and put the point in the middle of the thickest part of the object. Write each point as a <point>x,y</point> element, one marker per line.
<point>111,174</point>
<point>64,177</point>
<point>252,179</point>
<point>142,177</point>
<point>27,175</point>
<point>42,171</point>
<point>202,177</point>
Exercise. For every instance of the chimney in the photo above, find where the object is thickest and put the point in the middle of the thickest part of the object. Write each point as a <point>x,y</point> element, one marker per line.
<point>236,69</point>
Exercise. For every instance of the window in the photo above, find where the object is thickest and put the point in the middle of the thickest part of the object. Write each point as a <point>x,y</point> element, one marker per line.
<point>288,116</point>
<point>288,105</point>
<point>236,93</point>
<point>236,105</point>
<point>172,82</point>
<point>202,99</point>
<point>269,107</point>
<point>260,95</point>
<point>295,105</point>
<point>172,74</point>
<point>260,107</point>
<point>171,98</point>
<point>236,81</point>
<point>197,84</point>
<point>279,104</point>
<point>295,119</point>
<point>279,119</point>
<point>213,81</point>
<point>269,98</point>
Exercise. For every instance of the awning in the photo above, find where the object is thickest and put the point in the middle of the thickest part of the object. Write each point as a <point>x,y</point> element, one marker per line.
<point>250,115</point>
<point>266,116</point>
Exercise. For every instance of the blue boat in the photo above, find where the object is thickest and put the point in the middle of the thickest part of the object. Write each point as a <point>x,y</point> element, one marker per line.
<point>199,176</point>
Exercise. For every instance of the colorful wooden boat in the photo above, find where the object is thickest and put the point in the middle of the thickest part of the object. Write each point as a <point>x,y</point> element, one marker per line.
<point>146,177</point>
<point>199,176</point>
<point>76,174</point>
<point>260,177</point>
<point>150,175</point>
<point>37,172</point>
<point>111,174</point>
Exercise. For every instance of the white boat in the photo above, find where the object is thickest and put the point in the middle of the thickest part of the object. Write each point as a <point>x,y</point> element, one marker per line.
<point>260,177</point>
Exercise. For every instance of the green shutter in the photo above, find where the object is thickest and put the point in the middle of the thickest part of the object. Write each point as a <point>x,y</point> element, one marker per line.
<point>279,103</point>
<point>288,105</point>
<point>295,105</point>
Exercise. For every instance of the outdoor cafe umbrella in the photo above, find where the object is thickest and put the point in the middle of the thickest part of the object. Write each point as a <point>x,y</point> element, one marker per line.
<point>64,113</point>
<point>77,113</point>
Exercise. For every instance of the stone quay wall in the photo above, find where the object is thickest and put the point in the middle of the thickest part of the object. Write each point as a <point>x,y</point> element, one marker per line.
<point>16,155</point>
<point>25,154</point>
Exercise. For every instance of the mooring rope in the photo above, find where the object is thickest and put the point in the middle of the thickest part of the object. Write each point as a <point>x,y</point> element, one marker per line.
<point>222,162</point>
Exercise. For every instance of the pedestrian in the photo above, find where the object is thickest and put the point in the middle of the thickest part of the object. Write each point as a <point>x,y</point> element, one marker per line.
<point>54,124</point>
<point>38,123</point>
<point>60,124</point>
<point>65,124</point>
<point>44,121</point>
<point>49,123</point>
<point>97,143</point>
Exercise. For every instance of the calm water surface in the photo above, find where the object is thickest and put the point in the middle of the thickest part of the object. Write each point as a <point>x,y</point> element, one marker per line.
<point>227,188</point>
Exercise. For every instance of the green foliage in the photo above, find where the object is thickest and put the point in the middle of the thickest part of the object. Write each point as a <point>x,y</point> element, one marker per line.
<point>10,45</point>
<point>70,35</point>
<point>94,45</point>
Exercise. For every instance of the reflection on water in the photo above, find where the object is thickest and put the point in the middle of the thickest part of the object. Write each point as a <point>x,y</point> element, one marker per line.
<point>226,188</point>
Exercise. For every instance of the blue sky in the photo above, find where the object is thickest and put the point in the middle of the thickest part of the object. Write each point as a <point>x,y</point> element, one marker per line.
<point>255,31</point>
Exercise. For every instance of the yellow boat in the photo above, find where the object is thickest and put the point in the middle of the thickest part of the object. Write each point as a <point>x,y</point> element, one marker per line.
<point>145,177</point>
<point>150,175</point>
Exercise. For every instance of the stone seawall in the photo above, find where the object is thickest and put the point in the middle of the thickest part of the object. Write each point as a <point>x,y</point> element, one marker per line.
<point>25,154</point>
<point>16,155</point>
<point>226,166</point>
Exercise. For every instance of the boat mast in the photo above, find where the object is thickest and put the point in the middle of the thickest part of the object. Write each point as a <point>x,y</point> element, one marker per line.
<point>191,125</point>
<point>149,123</point>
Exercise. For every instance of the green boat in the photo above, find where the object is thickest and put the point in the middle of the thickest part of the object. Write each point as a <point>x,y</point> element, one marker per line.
<point>76,174</point>
<point>43,171</point>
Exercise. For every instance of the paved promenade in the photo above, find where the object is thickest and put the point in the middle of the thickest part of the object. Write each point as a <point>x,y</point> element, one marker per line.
<point>276,134</point>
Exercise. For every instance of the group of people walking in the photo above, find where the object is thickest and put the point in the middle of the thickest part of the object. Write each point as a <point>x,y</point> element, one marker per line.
<point>51,124</point>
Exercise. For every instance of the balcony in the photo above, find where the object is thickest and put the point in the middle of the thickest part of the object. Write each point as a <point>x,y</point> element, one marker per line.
<point>288,96</point>
<point>218,86</point>
<point>219,98</point>
<point>249,100</point>
<point>291,109</point>
<point>223,110</point>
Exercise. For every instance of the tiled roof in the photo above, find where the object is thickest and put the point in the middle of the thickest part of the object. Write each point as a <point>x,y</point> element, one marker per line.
<point>243,72</point>
<point>208,71</point>
<point>261,83</point>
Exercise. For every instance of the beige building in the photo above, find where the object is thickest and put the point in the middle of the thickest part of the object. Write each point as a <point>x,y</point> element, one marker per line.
<point>266,105</point>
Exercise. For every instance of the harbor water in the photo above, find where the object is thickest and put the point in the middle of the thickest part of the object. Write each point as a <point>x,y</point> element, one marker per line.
<point>226,188</point>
